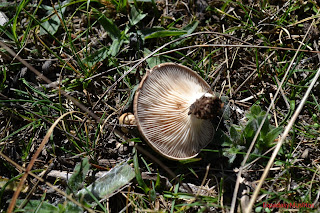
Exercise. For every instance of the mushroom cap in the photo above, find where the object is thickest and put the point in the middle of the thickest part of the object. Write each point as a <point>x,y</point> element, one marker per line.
<point>127,119</point>
<point>161,107</point>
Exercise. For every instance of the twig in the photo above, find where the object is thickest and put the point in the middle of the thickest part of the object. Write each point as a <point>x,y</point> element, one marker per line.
<point>282,93</point>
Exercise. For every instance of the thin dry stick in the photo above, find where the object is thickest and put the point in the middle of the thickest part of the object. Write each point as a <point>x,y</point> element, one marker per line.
<point>274,110</point>
<point>279,144</point>
<point>203,180</point>
<point>282,93</point>
<point>235,192</point>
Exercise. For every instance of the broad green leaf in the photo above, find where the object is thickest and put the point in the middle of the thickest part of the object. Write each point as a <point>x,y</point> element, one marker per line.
<point>249,132</point>
<point>53,23</point>
<point>259,209</point>
<point>113,180</point>
<point>158,32</point>
<point>112,29</point>
<point>115,47</point>
<point>77,178</point>
<point>272,135</point>
<point>136,16</point>
<point>235,133</point>
<point>232,152</point>
<point>191,27</point>
<point>223,137</point>
<point>98,56</point>
<point>38,206</point>
<point>255,110</point>
<point>69,207</point>
<point>154,60</point>
<point>265,127</point>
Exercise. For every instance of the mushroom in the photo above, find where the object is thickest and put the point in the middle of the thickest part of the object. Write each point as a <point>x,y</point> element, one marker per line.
<point>126,119</point>
<point>173,107</point>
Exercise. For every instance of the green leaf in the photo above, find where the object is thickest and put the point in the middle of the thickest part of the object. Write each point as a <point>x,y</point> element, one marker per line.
<point>152,194</point>
<point>139,179</point>
<point>158,32</point>
<point>265,127</point>
<point>17,131</point>
<point>152,61</point>
<point>255,110</point>
<point>113,180</point>
<point>115,47</point>
<point>192,160</point>
<point>3,76</point>
<point>112,29</point>
<point>223,137</point>
<point>77,178</point>
<point>135,16</point>
<point>235,133</point>
<point>259,209</point>
<point>69,207</point>
<point>249,132</point>
<point>131,1</point>
<point>38,206</point>
<point>158,182</point>
<point>15,23</point>
<point>7,184</point>
<point>191,27</point>
<point>232,152</point>
<point>3,30</point>
<point>33,88</point>
<point>53,23</point>
<point>98,56</point>
<point>272,135</point>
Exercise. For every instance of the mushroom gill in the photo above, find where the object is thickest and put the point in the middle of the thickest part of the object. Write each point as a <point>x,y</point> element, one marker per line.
<point>163,109</point>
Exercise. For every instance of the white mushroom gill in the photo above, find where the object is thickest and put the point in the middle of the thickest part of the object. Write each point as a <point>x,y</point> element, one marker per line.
<point>162,111</point>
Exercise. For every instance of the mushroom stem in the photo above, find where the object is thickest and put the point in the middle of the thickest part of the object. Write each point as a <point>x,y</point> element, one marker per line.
<point>206,107</point>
